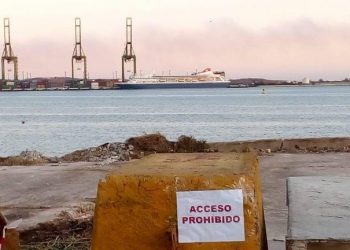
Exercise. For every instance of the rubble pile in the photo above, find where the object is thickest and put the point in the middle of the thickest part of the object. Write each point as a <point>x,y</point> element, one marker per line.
<point>24,158</point>
<point>133,148</point>
<point>32,155</point>
<point>106,153</point>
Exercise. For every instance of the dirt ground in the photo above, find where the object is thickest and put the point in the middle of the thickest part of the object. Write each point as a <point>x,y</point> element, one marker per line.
<point>40,193</point>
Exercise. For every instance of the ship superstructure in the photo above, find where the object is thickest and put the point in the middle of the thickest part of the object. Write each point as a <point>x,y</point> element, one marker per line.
<point>203,79</point>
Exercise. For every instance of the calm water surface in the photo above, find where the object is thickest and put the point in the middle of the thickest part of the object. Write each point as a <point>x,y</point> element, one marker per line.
<point>59,122</point>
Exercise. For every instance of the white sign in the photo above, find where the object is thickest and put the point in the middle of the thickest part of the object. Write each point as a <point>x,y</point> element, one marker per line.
<point>210,216</point>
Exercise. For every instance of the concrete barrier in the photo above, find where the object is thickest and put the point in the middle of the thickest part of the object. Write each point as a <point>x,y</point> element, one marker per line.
<point>336,144</point>
<point>316,145</point>
<point>245,146</point>
<point>136,207</point>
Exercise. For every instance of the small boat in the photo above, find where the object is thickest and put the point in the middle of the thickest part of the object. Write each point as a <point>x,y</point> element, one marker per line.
<point>238,86</point>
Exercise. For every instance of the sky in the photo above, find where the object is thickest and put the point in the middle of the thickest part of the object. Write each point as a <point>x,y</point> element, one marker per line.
<point>274,39</point>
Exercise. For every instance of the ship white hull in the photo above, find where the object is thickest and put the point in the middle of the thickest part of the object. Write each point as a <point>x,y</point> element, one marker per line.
<point>175,85</point>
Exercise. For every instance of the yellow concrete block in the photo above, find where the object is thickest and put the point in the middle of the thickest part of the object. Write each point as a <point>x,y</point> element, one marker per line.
<point>136,205</point>
<point>12,240</point>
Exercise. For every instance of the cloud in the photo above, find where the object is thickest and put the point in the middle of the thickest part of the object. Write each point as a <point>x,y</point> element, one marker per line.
<point>286,51</point>
<point>289,50</point>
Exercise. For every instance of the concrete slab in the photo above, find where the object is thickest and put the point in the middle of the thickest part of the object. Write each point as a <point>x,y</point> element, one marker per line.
<point>276,169</point>
<point>184,164</point>
<point>318,208</point>
<point>39,193</point>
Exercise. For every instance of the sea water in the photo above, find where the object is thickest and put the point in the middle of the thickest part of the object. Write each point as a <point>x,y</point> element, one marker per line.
<point>58,122</point>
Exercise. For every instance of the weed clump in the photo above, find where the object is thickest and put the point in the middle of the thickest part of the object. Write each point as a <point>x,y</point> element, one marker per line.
<point>151,143</point>
<point>188,144</point>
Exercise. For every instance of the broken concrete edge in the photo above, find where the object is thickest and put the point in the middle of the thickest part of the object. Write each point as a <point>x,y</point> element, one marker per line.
<point>302,145</point>
<point>5,224</point>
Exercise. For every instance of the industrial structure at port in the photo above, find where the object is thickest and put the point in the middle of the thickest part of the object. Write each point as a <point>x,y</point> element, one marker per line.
<point>8,55</point>
<point>12,82</point>
<point>78,53</point>
<point>78,63</point>
<point>205,79</point>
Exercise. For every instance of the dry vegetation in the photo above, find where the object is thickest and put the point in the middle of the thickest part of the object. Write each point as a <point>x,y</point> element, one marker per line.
<point>150,143</point>
<point>70,231</point>
<point>59,243</point>
<point>188,144</point>
<point>158,143</point>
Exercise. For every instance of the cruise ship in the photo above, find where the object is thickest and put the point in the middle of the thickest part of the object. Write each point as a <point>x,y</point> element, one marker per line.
<point>203,79</point>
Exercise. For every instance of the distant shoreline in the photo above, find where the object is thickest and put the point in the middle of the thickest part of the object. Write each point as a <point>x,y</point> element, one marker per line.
<point>329,84</point>
<point>307,85</point>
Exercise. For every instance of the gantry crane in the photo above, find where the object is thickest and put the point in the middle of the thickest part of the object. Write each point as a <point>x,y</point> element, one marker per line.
<point>129,54</point>
<point>8,54</point>
<point>78,53</point>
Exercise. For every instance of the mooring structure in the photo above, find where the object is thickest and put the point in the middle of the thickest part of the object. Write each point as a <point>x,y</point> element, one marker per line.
<point>129,54</point>
<point>78,53</point>
<point>8,56</point>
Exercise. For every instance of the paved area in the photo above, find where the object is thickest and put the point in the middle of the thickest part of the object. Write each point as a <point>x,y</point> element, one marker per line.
<point>315,201</point>
<point>38,193</point>
<point>275,170</point>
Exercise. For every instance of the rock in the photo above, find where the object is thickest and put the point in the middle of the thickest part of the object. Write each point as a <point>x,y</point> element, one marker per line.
<point>53,159</point>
